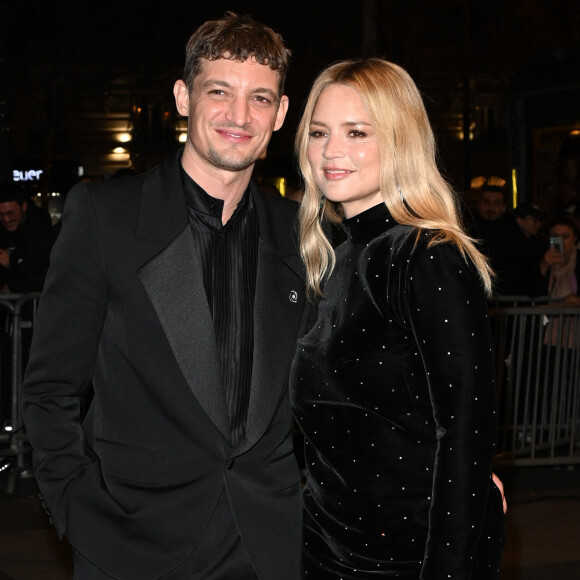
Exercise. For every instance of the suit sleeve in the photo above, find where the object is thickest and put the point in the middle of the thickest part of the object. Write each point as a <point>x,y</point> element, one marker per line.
<point>63,353</point>
<point>447,308</point>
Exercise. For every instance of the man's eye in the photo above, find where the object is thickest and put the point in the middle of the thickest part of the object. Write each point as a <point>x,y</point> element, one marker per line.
<point>217,92</point>
<point>262,100</point>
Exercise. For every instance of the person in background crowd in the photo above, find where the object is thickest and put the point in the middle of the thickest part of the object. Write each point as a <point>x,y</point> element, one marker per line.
<point>529,219</point>
<point>168,293</point>
<point>26,241</point>
<point>532,248</point>
<point>560,266</point>
<point>498,234</point>
<point>491,204</point>
<point>393,385</point>
<point>568,180</point>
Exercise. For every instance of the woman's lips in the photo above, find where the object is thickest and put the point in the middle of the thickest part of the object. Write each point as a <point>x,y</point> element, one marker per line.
<point>335,174</point>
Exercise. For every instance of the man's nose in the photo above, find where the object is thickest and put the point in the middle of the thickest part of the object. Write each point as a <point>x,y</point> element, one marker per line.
<point>239,111</point>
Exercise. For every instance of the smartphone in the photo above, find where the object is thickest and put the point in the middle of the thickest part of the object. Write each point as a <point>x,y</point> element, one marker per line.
<point>556,242</point>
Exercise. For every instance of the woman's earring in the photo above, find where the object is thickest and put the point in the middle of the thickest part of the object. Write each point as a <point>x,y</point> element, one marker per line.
<point>400,193</point>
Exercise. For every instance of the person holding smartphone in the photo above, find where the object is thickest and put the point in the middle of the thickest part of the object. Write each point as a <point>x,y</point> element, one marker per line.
<point>560,265</point>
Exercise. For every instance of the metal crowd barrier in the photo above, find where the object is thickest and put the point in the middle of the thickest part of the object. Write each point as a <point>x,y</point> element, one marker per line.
<point>537,353</point>
<point>17,317</point>
<point>507,300</point>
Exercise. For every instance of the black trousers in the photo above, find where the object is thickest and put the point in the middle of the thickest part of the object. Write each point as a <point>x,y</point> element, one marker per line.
<point>220,554</point>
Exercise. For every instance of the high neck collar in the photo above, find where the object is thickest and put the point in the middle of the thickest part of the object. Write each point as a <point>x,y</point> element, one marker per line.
<point>368,224</point>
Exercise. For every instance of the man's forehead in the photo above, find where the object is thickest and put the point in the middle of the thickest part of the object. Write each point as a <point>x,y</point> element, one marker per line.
<point>224,67</point>
<point>8,205</point>
<point>492,195</point>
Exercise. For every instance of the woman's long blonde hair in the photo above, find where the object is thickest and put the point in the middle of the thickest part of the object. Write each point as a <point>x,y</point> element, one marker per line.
<point>412,187</point>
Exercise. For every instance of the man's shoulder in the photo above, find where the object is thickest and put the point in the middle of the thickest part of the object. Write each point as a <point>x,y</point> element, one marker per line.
<point>278,221</point>
<point>109,200</point>
<point>114,186</point>
<point>277,204</point>
<point>162,177</point>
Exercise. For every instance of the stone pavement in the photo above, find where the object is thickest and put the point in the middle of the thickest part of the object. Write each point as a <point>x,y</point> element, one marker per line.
<point>543,527</point>
<point>543,523</point>
<point>29,548</point>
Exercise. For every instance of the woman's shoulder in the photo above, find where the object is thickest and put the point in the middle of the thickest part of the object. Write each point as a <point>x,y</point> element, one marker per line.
<point>432,260</point>
<point>422,253</point>
<point>423,244</point>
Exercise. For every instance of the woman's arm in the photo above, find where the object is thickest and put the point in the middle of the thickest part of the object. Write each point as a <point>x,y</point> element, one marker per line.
<point>448,312</point>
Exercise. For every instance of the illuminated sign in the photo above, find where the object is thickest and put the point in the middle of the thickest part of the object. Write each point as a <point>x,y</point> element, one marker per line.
<point>28,175</point>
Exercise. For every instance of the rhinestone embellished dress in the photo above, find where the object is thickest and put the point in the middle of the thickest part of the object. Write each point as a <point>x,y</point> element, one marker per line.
<point>394,391</point>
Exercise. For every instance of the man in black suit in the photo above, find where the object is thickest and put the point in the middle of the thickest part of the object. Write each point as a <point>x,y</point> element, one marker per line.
<point>495,227</point>
<point>178,295</point>
<point>25,242</point>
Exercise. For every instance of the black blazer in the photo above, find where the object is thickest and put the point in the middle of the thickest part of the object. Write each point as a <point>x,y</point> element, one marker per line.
<point>124,309</point>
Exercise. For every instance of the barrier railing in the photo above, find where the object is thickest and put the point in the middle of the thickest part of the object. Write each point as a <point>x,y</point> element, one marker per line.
<point>537,352</point>
<point>17,316</point>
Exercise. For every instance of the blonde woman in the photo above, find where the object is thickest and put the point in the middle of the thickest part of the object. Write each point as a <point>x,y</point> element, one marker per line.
<point>393,385</point>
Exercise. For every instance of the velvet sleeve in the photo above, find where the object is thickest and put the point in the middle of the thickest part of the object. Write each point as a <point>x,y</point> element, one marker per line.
<point>447,309</point>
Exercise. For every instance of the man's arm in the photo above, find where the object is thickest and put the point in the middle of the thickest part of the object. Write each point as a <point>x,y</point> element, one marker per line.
<point>64,349</point>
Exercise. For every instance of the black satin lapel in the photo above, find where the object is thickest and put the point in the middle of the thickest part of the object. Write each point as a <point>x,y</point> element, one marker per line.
<point>174,284</point>
<point>278,227</point>
<point>278,309</point>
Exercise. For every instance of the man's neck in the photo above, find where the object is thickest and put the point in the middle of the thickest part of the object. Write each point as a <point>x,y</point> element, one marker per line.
<point>228,186</point>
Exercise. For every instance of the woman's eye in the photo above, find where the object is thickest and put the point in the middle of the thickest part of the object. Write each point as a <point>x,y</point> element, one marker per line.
<point>316,134</point>
<point>357,134</point>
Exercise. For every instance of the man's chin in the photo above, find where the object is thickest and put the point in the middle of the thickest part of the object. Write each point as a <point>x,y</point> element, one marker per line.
<point>231,163</point>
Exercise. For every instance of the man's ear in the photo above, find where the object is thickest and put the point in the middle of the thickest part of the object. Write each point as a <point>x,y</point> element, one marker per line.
<point>282,110</point>
<point>181,94</point>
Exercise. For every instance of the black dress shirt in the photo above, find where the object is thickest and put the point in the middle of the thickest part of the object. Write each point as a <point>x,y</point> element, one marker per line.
<point>229,259</point>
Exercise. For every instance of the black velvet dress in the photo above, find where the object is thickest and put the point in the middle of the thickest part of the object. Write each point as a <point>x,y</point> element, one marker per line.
<point>393,388</point>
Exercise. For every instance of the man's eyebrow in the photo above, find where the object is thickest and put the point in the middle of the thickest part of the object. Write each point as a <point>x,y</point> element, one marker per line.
<point>221,83</point>
<point>266,90</point>
<point>212,82</point>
